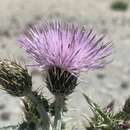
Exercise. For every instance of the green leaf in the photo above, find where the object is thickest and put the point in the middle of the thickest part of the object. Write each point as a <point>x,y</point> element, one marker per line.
<point>102,120</point>
<point>97,110</point>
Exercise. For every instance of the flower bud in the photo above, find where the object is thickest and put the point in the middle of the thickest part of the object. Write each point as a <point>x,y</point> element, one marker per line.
<point>14,79</point>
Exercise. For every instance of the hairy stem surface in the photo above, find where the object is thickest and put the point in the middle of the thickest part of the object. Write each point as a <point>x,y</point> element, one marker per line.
<point>59,105</point>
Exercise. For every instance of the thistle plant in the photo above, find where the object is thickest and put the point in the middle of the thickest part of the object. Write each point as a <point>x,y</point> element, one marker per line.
<point>106,119</point>
<point>62,51</point>
<point>15,80</point>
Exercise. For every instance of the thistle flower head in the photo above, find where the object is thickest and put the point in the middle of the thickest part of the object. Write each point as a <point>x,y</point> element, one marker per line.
<point>14,79</point>
<point>65,47</point>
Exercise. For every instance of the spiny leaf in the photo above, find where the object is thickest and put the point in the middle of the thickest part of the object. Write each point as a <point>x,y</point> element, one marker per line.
<point>102,120</point>
<point>31,113</point>
<point>96,109</point>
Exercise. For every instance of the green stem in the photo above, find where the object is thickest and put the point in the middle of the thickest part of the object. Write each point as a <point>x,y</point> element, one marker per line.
<point>40,108</point>
<point>59,104</point>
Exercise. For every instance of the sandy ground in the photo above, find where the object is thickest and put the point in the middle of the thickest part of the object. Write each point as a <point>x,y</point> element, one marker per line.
<point>112,83</point>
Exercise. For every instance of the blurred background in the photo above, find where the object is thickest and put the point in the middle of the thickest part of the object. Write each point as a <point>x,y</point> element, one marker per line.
<point>109,17</point>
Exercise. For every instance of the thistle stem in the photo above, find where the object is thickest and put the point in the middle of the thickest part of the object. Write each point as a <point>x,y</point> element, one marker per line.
<point>43,114</point>
<point>59,104</point>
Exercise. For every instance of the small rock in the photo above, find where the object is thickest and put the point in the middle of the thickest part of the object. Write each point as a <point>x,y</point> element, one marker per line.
<point>5,116</point>
<point>124,85</point>
<point>2,106</point>
<point>3,46</point>
<point>100,75</point>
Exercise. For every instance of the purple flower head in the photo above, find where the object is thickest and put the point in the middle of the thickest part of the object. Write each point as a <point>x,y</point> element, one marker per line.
<point>65,46</point>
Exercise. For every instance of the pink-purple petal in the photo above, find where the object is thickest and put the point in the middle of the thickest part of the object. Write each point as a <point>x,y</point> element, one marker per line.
<point>67,46</point>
